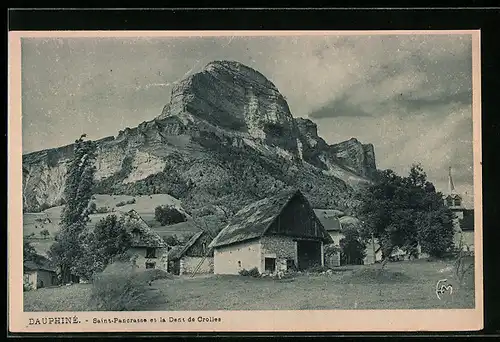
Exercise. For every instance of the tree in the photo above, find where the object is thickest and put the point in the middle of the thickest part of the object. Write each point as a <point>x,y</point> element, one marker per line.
<point>92,207</point>
<point>168,215</point>
<point>45,233</point>
<point>403,212</point>
<point>29,252</point>
<point>352,247</point>
<point>172,240</point>
<point>436,232</point>
<point>67,248</point>
<point>109,241</point>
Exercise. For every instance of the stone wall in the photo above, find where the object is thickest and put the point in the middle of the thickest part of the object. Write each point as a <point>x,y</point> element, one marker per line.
<point>332,260</point>
<point>282,248</point>
<point>161,260</point>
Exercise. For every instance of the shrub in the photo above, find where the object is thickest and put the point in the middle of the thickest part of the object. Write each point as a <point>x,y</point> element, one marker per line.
<point>45,233</point>
<point>27,286</point>
<point>120,287</point>
<point>167,215</point>
<point>43,206</point>
<point>352,247</point>
<point>122,203</point>
<point>92,208</point>
<point>60,202</point>
<point>254,272</point>
<point>102,210</point>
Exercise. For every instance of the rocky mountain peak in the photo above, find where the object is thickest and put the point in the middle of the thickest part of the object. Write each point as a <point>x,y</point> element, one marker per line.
<point>237,68</point>
<point>235,97</point>
<point>307,127</point>
<point>227,135</point>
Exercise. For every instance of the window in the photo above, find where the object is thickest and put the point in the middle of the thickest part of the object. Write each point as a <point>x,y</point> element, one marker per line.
<point>150,264</point>
<point>204,246</point>
<point>136,233</point>
<point>239,263</point>
<point>449,201</point>
<point>270,264</point>
<point>458,202</point>
<point>150,253</point>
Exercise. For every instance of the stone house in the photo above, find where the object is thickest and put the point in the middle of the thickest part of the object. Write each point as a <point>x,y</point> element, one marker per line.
<point>40,273</point>
<point>274,234</point>
<point>192,257</point>
<point>334,222</point>
<point>147,245</point>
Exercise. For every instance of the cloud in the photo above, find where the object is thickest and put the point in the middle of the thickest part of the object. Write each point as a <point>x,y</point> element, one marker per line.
<point>435,140</point>
<point>338,108</point>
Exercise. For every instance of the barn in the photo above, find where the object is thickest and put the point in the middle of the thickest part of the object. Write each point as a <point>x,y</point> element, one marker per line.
<point>193,257</point>
<point>277,233</point>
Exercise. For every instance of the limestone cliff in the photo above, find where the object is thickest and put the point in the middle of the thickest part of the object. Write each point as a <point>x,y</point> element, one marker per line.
<point>351,155</point>
<point>226,137</point>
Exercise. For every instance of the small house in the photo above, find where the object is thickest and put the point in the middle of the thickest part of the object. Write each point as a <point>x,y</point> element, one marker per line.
<point>192,257</point>
<point>331,222</point>
<point>274,234</point>
<point>39,273</point>
<point>334,224</point>
<point>147,245</point>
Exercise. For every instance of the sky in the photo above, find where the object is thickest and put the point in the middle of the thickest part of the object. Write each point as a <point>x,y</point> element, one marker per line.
<point>408,95</point>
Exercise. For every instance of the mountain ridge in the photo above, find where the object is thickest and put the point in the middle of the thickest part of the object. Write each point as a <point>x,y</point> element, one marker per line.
<point>226,130</point>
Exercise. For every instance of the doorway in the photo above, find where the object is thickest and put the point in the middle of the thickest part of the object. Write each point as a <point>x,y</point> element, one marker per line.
<point>270,264</point>
<point>308,253</point>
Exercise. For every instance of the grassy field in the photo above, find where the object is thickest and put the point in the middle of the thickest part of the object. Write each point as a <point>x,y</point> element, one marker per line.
<point>403,285</point>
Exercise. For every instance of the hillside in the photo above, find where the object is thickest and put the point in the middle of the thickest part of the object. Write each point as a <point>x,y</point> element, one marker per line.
<point>49,219</point>
<point>226,138</point>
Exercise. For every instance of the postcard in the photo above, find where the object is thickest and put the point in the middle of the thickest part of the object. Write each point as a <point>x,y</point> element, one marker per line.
<point>247,181</point>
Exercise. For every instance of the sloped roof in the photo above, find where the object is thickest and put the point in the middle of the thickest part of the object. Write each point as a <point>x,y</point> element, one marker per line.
<point>177,253</point>
<point>41,263</point>
<point>329,219</point>
<point>146,237</point>
<point>454,196</point>
<point>253,220</point>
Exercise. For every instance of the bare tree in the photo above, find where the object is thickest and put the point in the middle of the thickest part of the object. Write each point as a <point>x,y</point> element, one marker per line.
<point>462,267</point>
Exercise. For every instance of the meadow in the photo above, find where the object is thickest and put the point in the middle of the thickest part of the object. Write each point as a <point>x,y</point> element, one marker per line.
<point>401,285</point>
